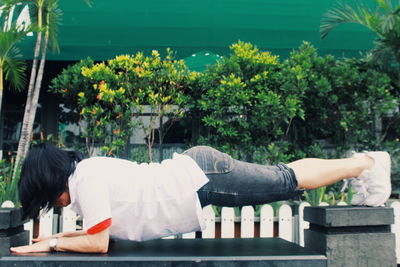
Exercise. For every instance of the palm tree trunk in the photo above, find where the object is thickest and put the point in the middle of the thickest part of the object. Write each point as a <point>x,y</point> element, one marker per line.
<point>24,138</point>
<point>1,101</point>
<point>1,91</point>
<point>35,97</point>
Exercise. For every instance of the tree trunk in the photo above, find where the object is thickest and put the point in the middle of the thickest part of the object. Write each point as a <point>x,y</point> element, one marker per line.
<point>160,140</point>
<point>150,142</point>
<point>1,102</point>
<point>35,97</point>
<point>1,87</point>
<point>24,138</point>
<point>195,127</point>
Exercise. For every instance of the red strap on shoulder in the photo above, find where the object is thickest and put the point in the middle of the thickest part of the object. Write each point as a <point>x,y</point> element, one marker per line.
<point>99,227</point>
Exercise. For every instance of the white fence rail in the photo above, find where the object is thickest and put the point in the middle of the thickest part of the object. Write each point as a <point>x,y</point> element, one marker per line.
<point>290,227</point>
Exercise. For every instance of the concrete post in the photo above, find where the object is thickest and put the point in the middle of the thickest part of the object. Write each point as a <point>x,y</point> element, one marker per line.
<point>12,231</point>
<point>352,236</point>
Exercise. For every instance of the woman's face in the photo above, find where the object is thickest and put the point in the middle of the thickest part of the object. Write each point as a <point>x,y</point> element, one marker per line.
<point>64,199</point>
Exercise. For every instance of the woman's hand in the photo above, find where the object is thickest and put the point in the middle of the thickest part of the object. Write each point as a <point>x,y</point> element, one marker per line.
<point>41,246</point>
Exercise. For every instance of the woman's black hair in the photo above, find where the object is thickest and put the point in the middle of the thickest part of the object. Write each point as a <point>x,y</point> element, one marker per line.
<point>44,177</point>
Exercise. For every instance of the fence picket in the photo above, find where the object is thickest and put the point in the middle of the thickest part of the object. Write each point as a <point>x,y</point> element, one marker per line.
<point>286,223</point>
<point>46,224</point>
<point>396,227</point>
<point>209,219</point>
<point>68,220</point>
<point>267,221</point>
<point>191,235</point>
<point>227,223</point>
<point>302,223</point>
<point>247,222</point>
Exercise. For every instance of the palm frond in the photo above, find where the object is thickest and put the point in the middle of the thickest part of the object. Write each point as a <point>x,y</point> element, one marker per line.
<point>34,11</point>
<point>389,23</point>
<point>382,54</point>
<point>8,4</point>
<point>10,38</point>
<point>341,14</point>
<point>53,17</point>
<point>14,69</point>
<point>386,5</point>
<point>389,15</point>
<point>383,19</point>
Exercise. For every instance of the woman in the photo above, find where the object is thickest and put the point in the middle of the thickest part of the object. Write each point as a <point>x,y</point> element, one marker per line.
<point>125,200</point>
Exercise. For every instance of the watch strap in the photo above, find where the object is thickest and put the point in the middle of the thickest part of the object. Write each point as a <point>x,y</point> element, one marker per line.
<point>53,244</point>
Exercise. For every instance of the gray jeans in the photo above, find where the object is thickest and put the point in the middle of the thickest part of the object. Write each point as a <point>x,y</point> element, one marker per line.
<point>237,183</point>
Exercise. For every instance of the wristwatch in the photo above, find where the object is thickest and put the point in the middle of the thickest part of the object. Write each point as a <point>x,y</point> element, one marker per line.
<point>53,244</point>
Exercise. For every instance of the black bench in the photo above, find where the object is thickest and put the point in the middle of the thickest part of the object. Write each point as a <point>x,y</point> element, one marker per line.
<point>182,252</point>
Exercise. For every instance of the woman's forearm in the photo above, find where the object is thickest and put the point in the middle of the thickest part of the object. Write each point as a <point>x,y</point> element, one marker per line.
<point>70,234</point>
<point>84,243</point>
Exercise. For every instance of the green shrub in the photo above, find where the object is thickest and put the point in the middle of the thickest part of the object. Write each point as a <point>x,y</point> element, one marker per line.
<point>342,100</point>
<point>8,184</point>
<point>249,104</point>
<point>111,96</point>
<point>256,108</point>
<point>240,102</point>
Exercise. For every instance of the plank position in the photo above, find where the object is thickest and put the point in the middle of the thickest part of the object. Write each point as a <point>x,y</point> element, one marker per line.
<point>124,200</point>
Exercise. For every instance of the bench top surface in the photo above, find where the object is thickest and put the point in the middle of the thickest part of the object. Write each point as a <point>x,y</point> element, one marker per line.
<point>181,249</point>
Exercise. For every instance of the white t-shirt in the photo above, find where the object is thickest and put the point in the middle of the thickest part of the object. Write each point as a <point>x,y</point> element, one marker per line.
<point>144,201</point>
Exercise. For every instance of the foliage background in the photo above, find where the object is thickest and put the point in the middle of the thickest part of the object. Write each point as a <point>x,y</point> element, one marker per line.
<point>250,104</point>
<point>306,105</point>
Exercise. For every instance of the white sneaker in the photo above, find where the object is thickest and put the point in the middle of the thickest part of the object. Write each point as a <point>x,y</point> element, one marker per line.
<point>377,179</point>
<point>360,189</point>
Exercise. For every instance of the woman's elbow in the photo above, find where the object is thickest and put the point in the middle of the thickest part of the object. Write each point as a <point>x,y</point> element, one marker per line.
<point>102,246</point>
<point>99,242</point>
<point>102,249</point>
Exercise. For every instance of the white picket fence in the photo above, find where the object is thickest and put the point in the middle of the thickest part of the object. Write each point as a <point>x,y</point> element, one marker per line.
<point>290,227</point>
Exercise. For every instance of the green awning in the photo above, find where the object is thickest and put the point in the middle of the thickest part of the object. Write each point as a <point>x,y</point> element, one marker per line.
<point>200,60</point>
<point>109,28</point>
